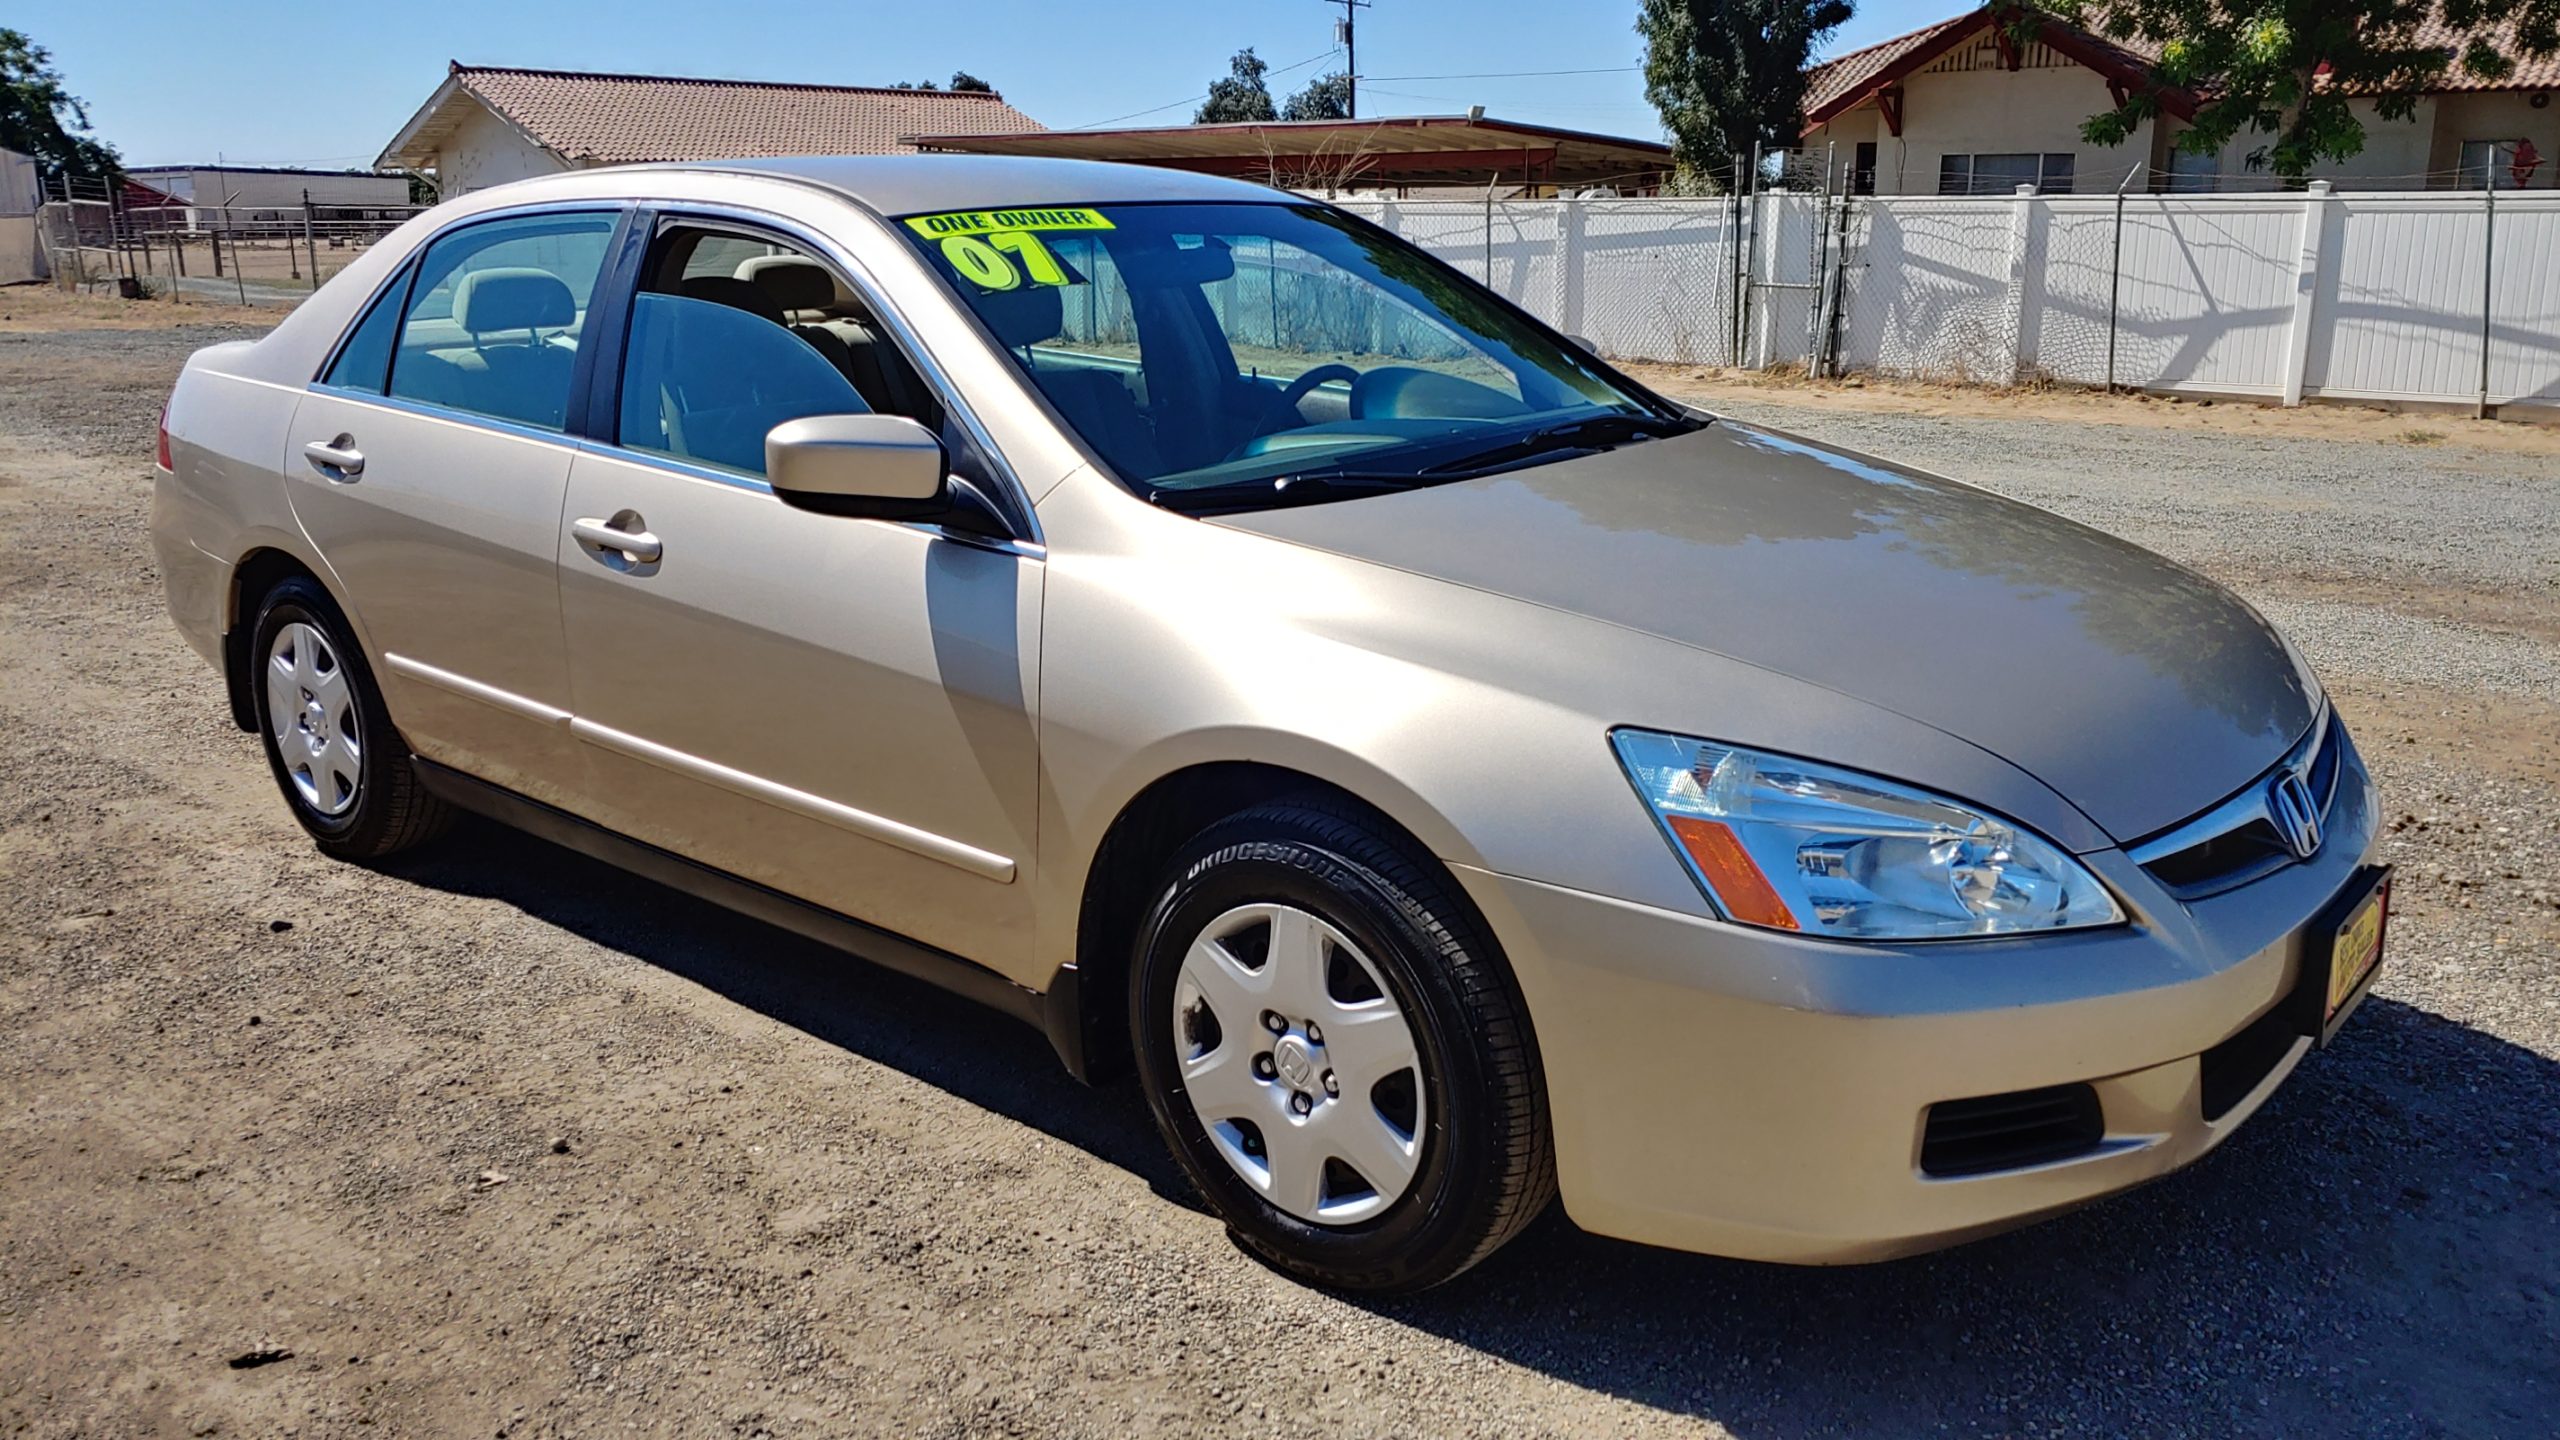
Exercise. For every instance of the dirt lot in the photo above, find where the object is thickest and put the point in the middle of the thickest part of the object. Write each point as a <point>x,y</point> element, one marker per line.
<point>497,1142</point>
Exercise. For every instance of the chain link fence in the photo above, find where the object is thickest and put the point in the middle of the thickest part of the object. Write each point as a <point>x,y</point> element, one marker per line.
<point>251,255</point>
<point>2435,296</point>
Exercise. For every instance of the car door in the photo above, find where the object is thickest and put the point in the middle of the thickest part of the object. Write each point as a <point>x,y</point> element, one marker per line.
<point>840,709</point>
<point>429,466</point>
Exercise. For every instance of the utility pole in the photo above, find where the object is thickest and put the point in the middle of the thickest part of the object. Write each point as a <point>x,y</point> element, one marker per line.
<point>1342,31</point>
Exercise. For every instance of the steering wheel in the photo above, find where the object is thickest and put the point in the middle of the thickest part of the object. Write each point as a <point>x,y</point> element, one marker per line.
<point>1300,388</point>
<point>1283,413</point>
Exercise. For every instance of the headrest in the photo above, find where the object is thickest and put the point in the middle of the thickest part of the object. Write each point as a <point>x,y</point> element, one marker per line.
<point>735,293</point>
<point>795,282</point>
<point>1023,316</point>
<point>516,297</point>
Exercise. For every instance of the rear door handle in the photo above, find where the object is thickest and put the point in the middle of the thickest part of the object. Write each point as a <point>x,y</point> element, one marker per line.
<point>635,545</point>
<point>338,459</point>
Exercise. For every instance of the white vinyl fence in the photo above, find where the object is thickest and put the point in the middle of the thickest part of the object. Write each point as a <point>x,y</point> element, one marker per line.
<point>2427,296</point>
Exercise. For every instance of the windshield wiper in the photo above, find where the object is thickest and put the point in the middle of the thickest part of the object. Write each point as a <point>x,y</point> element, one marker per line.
<point>1313,487</point>
<point>1440,465</point>
<point>1597,432</point>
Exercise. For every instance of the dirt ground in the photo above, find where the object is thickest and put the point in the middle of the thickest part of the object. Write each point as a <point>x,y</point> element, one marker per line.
<point>494,1141</point>
<point>1716,388</point>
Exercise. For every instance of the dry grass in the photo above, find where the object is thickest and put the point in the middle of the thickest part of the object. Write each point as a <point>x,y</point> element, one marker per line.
<point>25,308</point>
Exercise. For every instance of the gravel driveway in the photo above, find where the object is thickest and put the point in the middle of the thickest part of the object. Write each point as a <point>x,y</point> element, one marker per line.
<point>496,1141</point>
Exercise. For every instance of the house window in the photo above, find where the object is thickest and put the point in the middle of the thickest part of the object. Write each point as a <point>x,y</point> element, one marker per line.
<point>1862,175</point>
<point>2003,174</point>
<point>2487,164</point>
<point>2194,174</point>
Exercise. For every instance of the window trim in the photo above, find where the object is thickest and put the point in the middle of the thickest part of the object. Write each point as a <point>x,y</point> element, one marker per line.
<point>400,281</point>
<point>405,280</point>
<point>1973,162</point>
<point>2498,173</point>
<point>646,221</point>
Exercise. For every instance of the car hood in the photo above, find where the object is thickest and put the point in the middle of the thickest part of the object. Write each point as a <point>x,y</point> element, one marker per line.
<point>2136,689</point>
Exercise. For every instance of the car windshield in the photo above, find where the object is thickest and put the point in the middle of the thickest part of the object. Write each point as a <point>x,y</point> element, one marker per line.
<point>1213,354</point>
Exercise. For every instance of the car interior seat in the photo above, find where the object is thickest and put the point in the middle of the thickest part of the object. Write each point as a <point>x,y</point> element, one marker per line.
<point>815,307</point>
<point>1096,402</point>
<point>511,369</point>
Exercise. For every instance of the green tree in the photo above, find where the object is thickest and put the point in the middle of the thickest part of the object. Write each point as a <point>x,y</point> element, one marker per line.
<point>1327,97</point>
<point>2286,69</point>
<point>963,81</point>
<point>1728,74</point>
<point>1241,95</point>
<point>40,118</point>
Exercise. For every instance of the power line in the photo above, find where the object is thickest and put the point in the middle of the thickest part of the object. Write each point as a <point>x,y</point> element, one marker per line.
<point>1327,52</point>
<point>1515,74</point>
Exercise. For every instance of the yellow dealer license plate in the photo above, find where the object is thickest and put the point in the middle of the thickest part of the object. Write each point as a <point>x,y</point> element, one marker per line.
<point>2355,952</point>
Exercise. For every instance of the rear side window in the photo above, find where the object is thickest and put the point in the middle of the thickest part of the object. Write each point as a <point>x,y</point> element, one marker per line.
<point>493,320</point>
<point>364,362</point>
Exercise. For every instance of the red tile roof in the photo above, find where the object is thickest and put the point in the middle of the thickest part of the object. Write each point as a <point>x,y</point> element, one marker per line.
<point>2529,74</point>
<point>1845,78</point>
<point>1845,75</point>
<point>623,119</point>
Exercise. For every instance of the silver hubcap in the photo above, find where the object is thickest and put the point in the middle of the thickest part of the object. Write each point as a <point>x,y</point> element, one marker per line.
<point>312,710</point>
<point>1299,1064</point>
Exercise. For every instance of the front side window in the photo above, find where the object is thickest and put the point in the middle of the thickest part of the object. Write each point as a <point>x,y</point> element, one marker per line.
<point>1209,349</point>
<point>733,333</point>
<point>494,316</point>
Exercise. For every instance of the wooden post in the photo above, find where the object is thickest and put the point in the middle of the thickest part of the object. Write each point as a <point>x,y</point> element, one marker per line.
<point>309,244</point>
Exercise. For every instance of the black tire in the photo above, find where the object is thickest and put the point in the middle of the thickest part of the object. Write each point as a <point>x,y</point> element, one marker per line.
<point>391,810</point>
<point>1486,1167</point>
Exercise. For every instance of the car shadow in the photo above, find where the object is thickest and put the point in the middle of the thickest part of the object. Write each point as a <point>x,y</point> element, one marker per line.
<point>2377,1252</point>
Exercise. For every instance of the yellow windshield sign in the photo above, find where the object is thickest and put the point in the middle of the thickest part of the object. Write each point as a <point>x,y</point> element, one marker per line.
<point>997,222</point>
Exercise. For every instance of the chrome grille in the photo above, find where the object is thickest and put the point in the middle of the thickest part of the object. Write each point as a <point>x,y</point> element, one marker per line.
<point>2246,836</point>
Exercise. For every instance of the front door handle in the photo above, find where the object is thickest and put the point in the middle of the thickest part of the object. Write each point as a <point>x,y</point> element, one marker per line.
<point>338,459</point>
<point>629,539</point>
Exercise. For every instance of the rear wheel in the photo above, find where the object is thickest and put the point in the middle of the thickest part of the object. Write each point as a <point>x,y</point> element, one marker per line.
<point>345,772</point>
<point>1336,1053</point>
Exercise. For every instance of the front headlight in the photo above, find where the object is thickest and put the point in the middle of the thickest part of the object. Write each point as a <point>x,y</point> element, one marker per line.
<point>1793,845</point>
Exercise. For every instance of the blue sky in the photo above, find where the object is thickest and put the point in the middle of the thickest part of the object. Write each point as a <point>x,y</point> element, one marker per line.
<point>327,82</point>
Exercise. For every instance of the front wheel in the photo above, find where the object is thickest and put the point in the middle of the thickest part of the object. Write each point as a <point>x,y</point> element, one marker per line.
<point>1337,1054</point>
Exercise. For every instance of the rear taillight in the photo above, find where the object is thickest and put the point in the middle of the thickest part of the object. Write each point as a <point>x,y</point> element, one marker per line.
<point>163,456</point>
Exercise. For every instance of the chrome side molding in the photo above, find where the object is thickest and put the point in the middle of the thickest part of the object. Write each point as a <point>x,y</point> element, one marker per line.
<point>982,863</point>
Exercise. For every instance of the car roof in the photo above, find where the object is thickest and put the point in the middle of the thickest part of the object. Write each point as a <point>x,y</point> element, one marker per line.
<point>921,184</point>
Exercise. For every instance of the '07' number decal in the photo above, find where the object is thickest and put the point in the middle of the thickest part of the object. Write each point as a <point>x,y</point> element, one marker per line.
<point>989,261</point>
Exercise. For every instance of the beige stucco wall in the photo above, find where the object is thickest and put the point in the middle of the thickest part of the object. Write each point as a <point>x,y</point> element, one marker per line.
<point>2395,154</point>
<point>1991,112</point>
<point>2000,111</point>
<point>2498,115</point>
<point>2040,109</point>
<point>485,150</point>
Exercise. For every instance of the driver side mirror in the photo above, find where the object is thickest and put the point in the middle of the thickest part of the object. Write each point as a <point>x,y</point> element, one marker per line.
<point>875,467</point>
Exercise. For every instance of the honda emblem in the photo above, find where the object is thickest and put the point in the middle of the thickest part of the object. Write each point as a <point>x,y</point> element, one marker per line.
<point>2295,813</point>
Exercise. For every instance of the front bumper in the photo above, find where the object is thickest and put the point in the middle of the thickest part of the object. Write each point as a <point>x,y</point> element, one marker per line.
<point>1741,1092</point>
